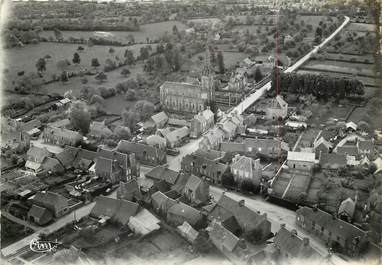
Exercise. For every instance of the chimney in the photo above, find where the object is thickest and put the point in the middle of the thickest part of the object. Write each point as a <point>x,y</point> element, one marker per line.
<point>241,203</point>
<point>305,241</point>
<point>293,232</point>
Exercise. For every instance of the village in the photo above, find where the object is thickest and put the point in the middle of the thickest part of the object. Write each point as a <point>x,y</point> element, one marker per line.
<point>245,167</point>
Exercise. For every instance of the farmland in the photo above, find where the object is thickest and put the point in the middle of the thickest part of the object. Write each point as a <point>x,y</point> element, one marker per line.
<point>152,31</point>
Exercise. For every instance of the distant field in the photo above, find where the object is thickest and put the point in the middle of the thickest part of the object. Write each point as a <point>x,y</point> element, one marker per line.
<point>152,31</point>
<point>25,58</point>
<point>205,20</point>
<point>358,58</point>
<point>340,69</point>
<point>361,27</point>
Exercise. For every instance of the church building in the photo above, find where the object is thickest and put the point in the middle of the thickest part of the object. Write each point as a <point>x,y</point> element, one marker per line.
<point>189,98</point>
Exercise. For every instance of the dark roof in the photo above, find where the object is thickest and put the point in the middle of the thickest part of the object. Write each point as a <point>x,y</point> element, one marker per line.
<point>52,164</point>
<point>103,165</point>
<point>228,207</point>
<point>62,132</point>
<point>211,166</point>
<point>190,214</point>
<point>27,126</point>
<point>162,200</point>
<point>210,154</point>
<point>38,152</point>
<point>181,182</point>
<point>350,150</point>
<point>293,245</point>
<point>332,160</point>
<point>50,200</point>
<point>366,145</point>
<point>129,147</point>
<point>331,224</point>
<point>129,190</point>
<point>163,173</point>
<point>193,183</point>
<point>119,157</point>
<point>118,210</point>
<point>41,213</point>
<point>67,156</point>
<point>222,237</point>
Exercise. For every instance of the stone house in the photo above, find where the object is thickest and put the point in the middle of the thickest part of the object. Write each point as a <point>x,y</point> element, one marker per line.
<point>246,169</point>
<point>61,136</point>
<point>301,160</point>
<point>144,153</point>
<point>278,108</point>
<point>54,202</point>
<point>196,190</point>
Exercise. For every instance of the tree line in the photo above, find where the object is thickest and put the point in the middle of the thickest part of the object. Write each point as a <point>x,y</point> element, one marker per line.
<point>320,86</point>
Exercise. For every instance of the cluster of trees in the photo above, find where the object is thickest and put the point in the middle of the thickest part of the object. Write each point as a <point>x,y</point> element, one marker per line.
<point>141,111</point>
<point>320,86</point>
<point>167,58</point>
<point>79,117</point>
<point>17,38</point>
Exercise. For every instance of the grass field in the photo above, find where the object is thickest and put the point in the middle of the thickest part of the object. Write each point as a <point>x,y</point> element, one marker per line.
<point>152,31</point>
<point>361,27</point>
<point>342,67</point>
<point>25,58</point>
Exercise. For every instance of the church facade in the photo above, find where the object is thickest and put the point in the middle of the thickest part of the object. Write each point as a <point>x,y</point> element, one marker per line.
<point>189,98</point>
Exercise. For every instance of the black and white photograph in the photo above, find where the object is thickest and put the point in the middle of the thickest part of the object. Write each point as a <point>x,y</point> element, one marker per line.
<point>191,132</point>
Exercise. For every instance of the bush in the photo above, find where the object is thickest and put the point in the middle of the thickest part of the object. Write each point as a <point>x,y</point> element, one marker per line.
<point>130,95</point>
<point>96,99</point>
<point>107,92</point>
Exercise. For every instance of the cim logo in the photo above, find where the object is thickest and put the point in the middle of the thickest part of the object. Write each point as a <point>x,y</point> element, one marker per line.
<point>43,246</point>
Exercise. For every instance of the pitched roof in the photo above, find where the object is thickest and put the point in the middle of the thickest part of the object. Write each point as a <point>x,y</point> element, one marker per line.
<point>293,245</point>
<point>366,145</point>
<point>103,165</point>
<point>210,166</point>
<point>180,182</point>
<point>178,122</point>
<point>120,158</point>
<point>347,206</point>
<point>52,164</point>
<point>160,117</point>
<point>246,164</point>
<point>27,126</point>
<point>62,132</point>
<point>332,160</point>
<point>178,88</point>
<point>50,199</point>
<point>41,213</point>
<point>227,207</point>
<point>118,210</point>
<point>67,156</point>
<point>210,154</point>
<point>207,114</point>
<point>278,102</point>
<point>59,123</point>
<point>100,126</point>
<point>163,173</point>
<point>266,143</point>
<point>331,224</point>
<point>155,140</point>
<point>130,147</point>
<point>190,214</point>
<point>350,150</point>
<point>177,134</point>
<point>143,222</point>
<point>193,183</point>
<point>320,141</point>
<point>222,237</point>
<point>128,190</point>
<point>301,156</point>
<point>352,125</point>
<point>38,152</point>
<point>162,200</point>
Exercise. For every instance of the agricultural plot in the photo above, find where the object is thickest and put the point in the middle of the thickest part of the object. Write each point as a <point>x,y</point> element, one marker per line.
<point>361,27</point>
<point>341,67</point>
<point>152,31</point>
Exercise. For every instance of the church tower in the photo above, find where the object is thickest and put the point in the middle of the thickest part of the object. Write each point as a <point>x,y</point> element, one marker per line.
<point>207,77</point>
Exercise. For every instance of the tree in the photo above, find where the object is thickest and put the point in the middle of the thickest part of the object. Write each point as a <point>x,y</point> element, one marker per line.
<point>144,53</point>
<point>130,119</point>
<point>80,48</point>
<point>220,61</point>
<point>101,77</point>
<point>41,65</point>
<point>258,75</point>
<point>125,72</point>
<point>95,63</point>
<point>79,117</point>
<point>96,99</point>
<point>130,95</point>
<point>64,77</point>
<point>76,58</point>
<point>62,65</point>
<point>58,35</point>
<point>175,30</point>
<point>122,132</point>
<point>144,108</point>
<point>111,50</point>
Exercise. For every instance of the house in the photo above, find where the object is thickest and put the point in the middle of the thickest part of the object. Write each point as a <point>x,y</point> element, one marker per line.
<point>129,190</point>
<point>156,141</point>
<point>271,148</point>
<point>156,121</point>
<point>176,137</point>
<point>201,123</point>
<point>178,122</point>
<point>333,161</point>
<point>52,166</point>
<point>291,248</point>
<point>144,153</point>
<point>188,232</point>
<point>222,238</point>
<point>143,223</point>
<point>60,123</point>
<point>366,148</point>
<point>338,234</point>
<point>180,182</point>
<point>35,158</point>
<point>54,202</point>
<point>202,167</point>
<point>212,139</point>
<point>118,210</point>
<point>107,170</point>
<point>196,190</point>
<point>61,136</point>
<point>161,173</point>
<point>351,126</point>
<point>39,215</point>
<point>245,169</point>
<point>161,203</point>
<point>179,213</point>
<point>321,146</point>
<point>99,130</point>
<point>249,221</point>
<point>301,160</point>
<point>346,209</point>
<point>278,108</point>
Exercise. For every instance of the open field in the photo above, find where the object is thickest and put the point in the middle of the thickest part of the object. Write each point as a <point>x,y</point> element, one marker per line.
<point>24,59</point>
<point>326,67</point>
<point>151,31</point>
<point>361,27</point>
<point>204,20</point>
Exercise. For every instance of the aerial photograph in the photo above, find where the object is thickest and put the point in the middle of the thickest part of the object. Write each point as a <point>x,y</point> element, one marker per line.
<point>191,132</point>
